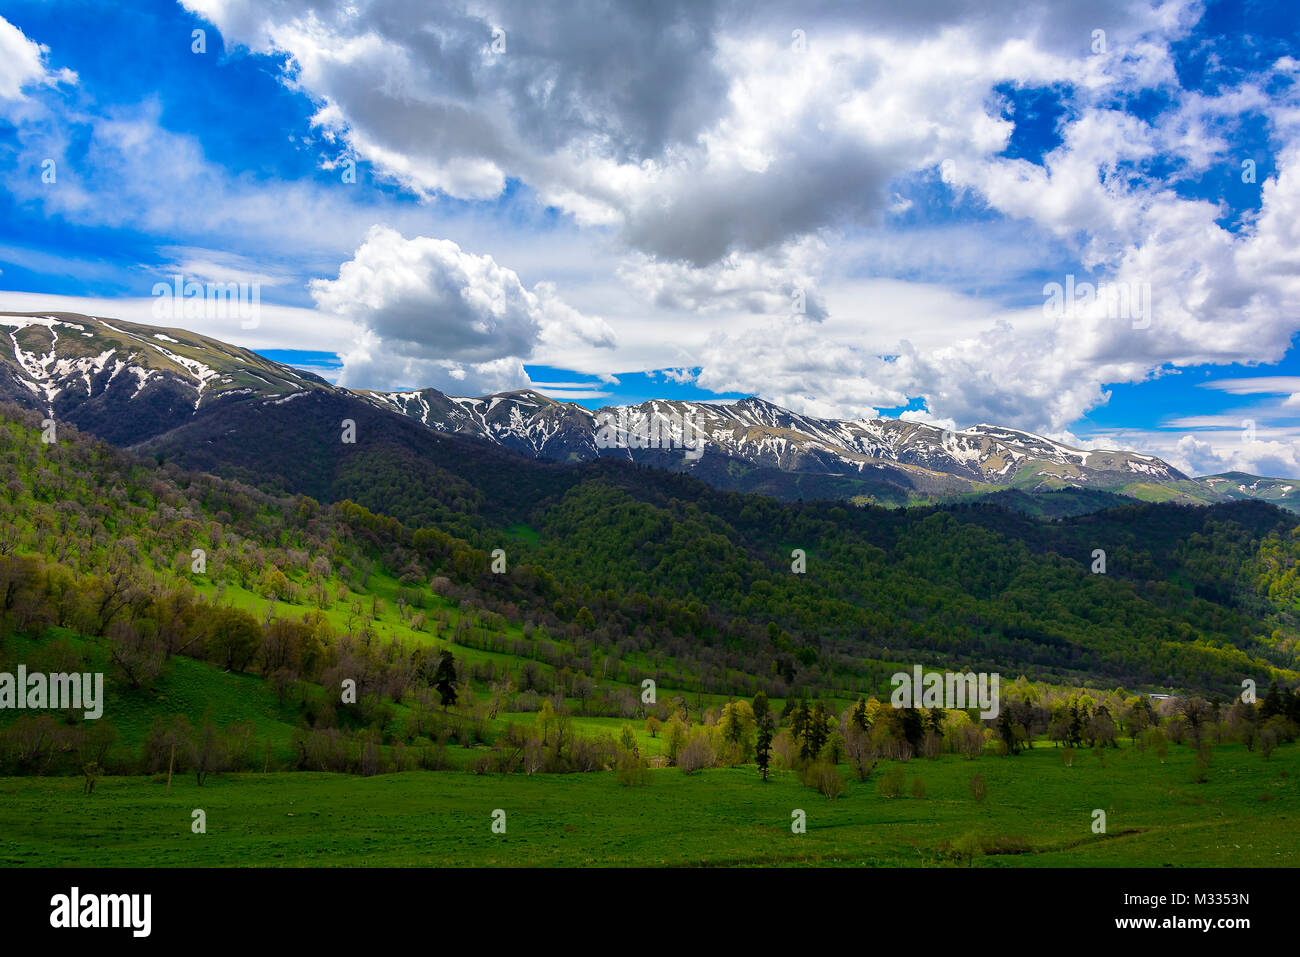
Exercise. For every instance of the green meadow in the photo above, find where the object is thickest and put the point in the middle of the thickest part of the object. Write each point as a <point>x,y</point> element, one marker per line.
<point>1037,813</point>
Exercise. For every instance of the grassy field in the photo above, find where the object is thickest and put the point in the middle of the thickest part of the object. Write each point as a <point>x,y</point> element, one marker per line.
<point>1038,812</point>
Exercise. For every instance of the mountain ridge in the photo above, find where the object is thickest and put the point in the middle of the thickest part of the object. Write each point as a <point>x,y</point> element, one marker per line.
<point>89,370</point>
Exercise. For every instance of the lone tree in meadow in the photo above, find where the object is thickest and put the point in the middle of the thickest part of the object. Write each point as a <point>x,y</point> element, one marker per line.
<point>444,679</point>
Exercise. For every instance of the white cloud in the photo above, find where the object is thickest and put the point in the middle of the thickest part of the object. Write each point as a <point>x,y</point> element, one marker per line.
<point>278,327</point>
<point>22,64</point>
<point>777,282</point>
<point>680,376</point>
<point>369,362</point>
<point>1255,385</point>
<point>425,304</point>
<point>1243,441</point>
<point>717,137</point>
<point>215,265</point>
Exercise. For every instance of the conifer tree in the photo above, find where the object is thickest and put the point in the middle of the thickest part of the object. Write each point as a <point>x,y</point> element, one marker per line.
<point>765,725</point>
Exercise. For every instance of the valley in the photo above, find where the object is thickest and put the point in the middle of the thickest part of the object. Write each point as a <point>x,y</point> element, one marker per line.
<point>281,615</point>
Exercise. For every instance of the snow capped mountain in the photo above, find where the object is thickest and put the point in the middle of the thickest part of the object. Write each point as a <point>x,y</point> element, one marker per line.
<point>524,421</point>
<point>129,383</point>
<point>1282,492</point>
<point>767,436</point>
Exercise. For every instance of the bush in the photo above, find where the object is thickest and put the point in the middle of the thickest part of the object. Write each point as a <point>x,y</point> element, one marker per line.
<point>1006,844</point>
<point>593,754</point>
<point>968,847</point>
<point>1267,742</point>
<point>632,769</point>
<point>823,776</point>
<point>979,788</point>
<point>918,789</point>
<point>833,749</point>
<point>698,753</point>
<point>527,701</point>
<point>433,757</point>
<point>1201,765</point>
<point>891,782</point>
<point>1157,742</point>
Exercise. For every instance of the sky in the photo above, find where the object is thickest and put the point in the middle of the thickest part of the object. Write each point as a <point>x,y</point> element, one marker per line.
<point>1081,220</point>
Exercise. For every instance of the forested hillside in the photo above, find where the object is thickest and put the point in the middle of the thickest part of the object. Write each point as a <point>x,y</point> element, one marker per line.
<point>640,562</point>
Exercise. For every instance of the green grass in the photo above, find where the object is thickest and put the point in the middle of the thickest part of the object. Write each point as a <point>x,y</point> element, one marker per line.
<point>1156,817</point>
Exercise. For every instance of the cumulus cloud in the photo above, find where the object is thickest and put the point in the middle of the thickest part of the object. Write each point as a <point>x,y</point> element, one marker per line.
<point>370,362</point>
<point>1200,293</point>
<point>426,304</point>
<point>1259,440</point>
<point>696,128</point>
<point>455,100</point>
<point>1232,452</point>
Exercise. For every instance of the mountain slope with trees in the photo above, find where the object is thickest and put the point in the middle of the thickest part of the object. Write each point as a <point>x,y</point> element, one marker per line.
<point>667,565</point>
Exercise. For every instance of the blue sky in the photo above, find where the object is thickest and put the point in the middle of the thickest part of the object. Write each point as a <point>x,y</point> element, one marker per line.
<point>849,210</point>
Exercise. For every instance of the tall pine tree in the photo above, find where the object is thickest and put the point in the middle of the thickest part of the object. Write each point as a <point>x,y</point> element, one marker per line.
<point>766,727</point>
<point>444,679</point>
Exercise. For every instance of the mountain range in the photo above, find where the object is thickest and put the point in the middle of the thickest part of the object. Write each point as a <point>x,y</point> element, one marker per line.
<point>135,385</point>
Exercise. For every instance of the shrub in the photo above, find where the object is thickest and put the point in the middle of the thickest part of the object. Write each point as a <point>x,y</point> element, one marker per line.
<point>967,847</point>
<point>592,754</point>
<point>1267,742</point>
<point>861,750</point>
<point>833,749</point>
<point>891,782</point>
<point>527,701</point>
<point>1201,765</point>
<point>433,757</point>
<point>823,776</point>
<point>698,753</point>
<point>632,769</point>
<point>1006,844</point>
<point>1157,742</point>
